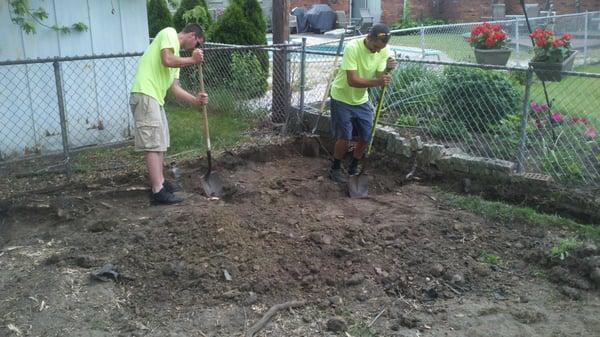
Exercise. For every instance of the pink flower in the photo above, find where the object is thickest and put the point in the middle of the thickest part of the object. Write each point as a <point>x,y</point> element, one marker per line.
<point>544,107</point>
<point>590,132</point>
<point>536,107</point>
<point>584,120</point>
<point>556,117</point>
<point>574,120</point>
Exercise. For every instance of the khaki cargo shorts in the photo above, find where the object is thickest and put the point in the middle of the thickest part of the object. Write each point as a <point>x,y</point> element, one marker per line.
<point>151,127</point>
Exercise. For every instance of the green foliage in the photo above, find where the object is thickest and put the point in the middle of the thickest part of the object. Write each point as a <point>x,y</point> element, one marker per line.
<point>479,98</point>
<point>410,23</point>
<point>490,259</point>
<point>564,165</point>
<point>159,16</point>
<point>189,5</point>
<point>565,247</point>
<point>242,23</point>
<point>362,329</point>
<point>248,77</point>
<point>499,211</point>
<point>27,18</point>
<point>413,90</point>
<point>198,14</point>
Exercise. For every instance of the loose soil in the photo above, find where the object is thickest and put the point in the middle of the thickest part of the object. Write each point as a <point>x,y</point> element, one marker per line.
<point>399,263</point>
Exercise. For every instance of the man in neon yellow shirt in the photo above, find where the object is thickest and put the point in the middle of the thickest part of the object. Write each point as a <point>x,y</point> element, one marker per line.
<point>364,65</point>
<point>157,74</point>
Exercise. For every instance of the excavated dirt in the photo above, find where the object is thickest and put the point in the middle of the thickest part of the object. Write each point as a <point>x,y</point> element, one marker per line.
<point>399,263</point>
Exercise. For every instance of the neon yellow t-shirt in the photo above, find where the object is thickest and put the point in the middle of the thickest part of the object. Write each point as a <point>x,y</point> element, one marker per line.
<point>366,63</point>
<point>152,77</point>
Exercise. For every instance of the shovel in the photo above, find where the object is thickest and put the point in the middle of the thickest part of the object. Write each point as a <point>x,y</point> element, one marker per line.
<point>358,185</point>
<point>211,182</point>
<point>311,142</point>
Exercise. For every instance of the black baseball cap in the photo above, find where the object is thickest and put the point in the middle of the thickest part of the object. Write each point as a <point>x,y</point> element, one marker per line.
<point>380,32</point>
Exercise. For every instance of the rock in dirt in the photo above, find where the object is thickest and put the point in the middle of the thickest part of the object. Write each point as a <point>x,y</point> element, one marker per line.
<point>455,277</point>
<point>102,226</point>
<point>251,298</point>
<point>337,324</point>
<point>409,321</point>
<point>355,279</point>
<point>595,276</point>
<point>320,238</point>
<point>436,270</point>
<point>336,301</point>
<point>570,292</point>
<point>588,249</point>
<point>481,269</point>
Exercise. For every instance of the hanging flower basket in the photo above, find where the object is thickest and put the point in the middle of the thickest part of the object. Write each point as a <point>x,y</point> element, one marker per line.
<point>551,71</point>
<point>489,41</point>
<point>498,57</point>
<point>552,55</point>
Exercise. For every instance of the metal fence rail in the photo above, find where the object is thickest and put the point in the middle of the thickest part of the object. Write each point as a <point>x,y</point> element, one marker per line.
<point>490,111</point>
<point>52,107</point>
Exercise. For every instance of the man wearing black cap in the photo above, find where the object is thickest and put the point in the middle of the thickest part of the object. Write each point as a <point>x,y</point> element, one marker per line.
<point>365,64</point>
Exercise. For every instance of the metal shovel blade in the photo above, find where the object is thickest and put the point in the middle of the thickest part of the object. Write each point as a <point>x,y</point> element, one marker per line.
<point>212,184</point>
<point>358,186</point>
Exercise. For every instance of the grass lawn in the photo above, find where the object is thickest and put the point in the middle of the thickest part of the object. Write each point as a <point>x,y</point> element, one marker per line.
<point>186,127</point>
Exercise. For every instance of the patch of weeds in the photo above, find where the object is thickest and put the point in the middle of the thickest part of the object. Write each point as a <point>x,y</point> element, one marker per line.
<point>563,249</point>
<point>490,259</point>
<point>362,329</point>
<point>540,273</point>
<point>499,211</point>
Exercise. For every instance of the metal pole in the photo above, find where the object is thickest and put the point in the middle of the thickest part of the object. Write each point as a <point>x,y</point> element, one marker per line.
<point>517,42</point>
<point>302,78</point>
<point>523,126</point>
<point>585,38</point>
<point>422,31</point>
<point>63,119</point>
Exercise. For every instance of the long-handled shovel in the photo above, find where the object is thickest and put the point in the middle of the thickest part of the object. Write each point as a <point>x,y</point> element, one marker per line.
<point>211,182</point>
<point>311,142</point>
<point>358,185</point>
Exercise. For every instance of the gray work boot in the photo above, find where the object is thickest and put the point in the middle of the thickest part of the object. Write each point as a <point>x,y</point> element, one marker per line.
<point>337,176</point>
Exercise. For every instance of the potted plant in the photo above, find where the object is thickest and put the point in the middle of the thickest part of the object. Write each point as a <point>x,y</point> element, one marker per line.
<point>551,54</point>
<point>489,41</point>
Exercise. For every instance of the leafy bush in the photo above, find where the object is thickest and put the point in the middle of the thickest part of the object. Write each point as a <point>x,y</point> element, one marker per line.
<point>248,77</point>
<point>159,16</point>
<point>242,23</point>
<point>564,166</point>
<point>410,23</point>
<point>189,5</point>
<point>479,98</point>
<point>199,14</point>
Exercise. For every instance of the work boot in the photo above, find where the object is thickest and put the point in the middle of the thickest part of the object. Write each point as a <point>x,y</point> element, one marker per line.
<point>172,186</point>
<point>337,176</point>
<point>353,170</point>
<point>164,197</point>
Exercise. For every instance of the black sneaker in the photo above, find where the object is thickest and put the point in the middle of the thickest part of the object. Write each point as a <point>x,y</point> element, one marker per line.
<point>172,186</point>
<point>164,197</point>
<point>337,176</point>
<point>353,170</point>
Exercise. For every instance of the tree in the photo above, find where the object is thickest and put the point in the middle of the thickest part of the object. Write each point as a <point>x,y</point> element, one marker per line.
<point>242,23</point>
<point>27,18</point>
<point>159,16</point>
<point>187,5</point>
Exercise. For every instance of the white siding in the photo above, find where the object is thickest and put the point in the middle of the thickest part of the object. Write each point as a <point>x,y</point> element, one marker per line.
<point>94,90</point>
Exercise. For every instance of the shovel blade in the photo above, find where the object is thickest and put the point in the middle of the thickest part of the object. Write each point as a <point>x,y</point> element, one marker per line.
<point>358,186</point>
<point>212,184</point>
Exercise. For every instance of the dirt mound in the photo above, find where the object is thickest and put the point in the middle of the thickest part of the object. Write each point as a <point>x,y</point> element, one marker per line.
<point>283,232</point>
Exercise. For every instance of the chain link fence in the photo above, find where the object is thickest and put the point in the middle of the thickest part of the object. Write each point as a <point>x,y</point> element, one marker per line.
<point>55,107</point>
<point>52,110</point>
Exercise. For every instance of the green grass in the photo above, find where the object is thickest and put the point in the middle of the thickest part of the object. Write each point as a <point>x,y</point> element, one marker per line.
<point>563,249</point>
<point>490,259</point>
<point>362,329</point>
<point>499,211</point>
<point>186,127</point>
<point>451,44</point>
<point>589,68</point>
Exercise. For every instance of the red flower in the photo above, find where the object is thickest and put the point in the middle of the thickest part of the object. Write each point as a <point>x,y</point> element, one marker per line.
<point>590,132</point>
<point>567,36</point>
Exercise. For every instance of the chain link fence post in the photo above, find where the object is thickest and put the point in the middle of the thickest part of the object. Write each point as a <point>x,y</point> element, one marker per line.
<point>523,125</point>
<point>63,119</point>
<point>585,38</point>
<point>302,78</point>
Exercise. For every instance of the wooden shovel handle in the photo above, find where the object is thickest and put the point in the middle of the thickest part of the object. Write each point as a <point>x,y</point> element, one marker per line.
<point>204,112</point>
